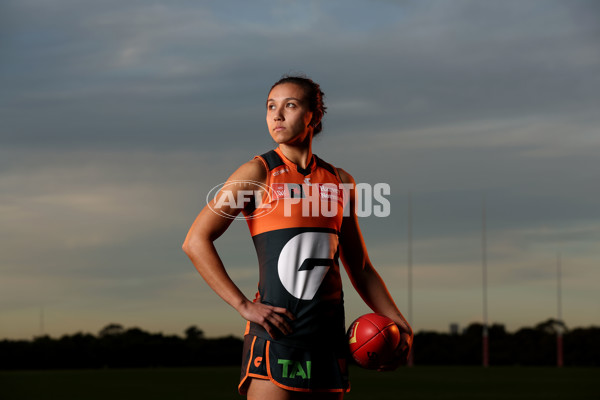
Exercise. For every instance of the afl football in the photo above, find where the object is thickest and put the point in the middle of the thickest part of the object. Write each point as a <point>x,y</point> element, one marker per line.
<point>372,339</point>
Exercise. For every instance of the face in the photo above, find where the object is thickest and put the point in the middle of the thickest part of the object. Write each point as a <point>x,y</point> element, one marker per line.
<point>288,116</point>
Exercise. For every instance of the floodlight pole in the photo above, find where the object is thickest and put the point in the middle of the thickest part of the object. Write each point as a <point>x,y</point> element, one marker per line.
<point>484,331</point>
<point>559,338</point>
<point>410,294</point>
<point>42,328</point>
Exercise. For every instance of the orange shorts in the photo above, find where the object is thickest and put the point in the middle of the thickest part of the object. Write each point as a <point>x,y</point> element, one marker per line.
<point>292,368</point>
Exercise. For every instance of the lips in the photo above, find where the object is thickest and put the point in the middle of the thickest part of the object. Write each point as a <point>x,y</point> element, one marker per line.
<point>278,128</point>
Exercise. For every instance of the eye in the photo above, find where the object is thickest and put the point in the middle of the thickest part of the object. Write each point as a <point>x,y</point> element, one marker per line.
<point>270,106</point>
<point>290,105</point>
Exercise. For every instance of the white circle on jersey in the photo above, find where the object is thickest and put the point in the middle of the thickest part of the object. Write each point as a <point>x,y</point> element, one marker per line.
<point>304,261</point>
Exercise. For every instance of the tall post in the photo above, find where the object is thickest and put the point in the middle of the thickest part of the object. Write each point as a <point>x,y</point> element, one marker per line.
<point>42,328</point>
<point>485,349</point>
<point>410,294</point>
<point>559,338</point>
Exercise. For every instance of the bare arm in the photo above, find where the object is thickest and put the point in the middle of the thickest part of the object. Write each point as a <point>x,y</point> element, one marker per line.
<point>362,274</point>
<point>199,246</point>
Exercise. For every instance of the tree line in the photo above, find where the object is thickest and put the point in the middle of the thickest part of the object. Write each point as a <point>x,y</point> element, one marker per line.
<point>528,346</point>
<point>117,347</point>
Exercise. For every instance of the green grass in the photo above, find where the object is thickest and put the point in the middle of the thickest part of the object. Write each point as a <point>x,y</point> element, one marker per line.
<point>478,383</point>
<point>221,383</point>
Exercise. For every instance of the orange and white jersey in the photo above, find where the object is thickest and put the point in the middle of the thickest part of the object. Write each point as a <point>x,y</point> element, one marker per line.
<point>295,230</point>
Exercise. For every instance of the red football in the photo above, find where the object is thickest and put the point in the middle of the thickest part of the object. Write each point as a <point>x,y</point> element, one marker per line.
<point>372,339</point>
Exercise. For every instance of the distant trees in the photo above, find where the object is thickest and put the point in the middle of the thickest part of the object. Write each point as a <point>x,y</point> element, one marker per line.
<point>527,346</point>
<point>193,333</point>
<point>117,347</point>
<point>111,330</point>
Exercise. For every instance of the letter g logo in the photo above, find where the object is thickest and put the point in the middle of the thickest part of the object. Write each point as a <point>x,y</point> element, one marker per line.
<point>304,261</point>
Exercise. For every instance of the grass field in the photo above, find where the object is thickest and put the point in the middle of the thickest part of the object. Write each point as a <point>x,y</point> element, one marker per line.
<point>220,383</point>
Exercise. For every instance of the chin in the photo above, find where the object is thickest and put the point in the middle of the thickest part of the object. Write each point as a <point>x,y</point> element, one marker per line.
<point>282,139</point>
<point>278,139</point>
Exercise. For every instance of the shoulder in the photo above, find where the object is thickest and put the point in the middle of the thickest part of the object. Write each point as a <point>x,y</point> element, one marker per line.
<point>253,170</point>
<point>345,176</point>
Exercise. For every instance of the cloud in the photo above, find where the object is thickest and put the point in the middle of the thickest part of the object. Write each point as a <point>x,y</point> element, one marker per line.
<point>116,118</point>
<point>148,68</point>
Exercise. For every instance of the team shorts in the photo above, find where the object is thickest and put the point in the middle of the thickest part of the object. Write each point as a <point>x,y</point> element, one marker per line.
<point>292,368</point>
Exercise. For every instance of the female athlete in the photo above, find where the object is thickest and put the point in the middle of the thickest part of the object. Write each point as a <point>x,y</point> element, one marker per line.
<point>301,215</point>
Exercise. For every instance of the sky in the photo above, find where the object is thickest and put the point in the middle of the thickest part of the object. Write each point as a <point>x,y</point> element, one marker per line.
<point>118,117</point>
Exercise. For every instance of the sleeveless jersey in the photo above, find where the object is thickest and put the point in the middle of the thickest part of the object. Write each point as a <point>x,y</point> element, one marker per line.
<point>295,231</point>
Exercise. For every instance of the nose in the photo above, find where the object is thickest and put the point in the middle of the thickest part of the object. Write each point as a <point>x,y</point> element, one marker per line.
<point>277,114</point>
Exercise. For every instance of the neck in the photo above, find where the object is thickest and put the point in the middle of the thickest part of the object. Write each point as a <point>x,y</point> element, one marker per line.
<point>299,155</point>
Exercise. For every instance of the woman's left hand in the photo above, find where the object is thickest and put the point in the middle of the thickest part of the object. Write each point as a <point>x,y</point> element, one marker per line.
<point>400,355</point>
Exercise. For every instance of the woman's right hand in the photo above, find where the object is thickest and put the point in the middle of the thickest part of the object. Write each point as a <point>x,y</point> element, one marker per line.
<point>269,317</point>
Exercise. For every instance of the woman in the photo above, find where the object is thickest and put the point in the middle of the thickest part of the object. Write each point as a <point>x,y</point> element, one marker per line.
<point>301,215</point>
